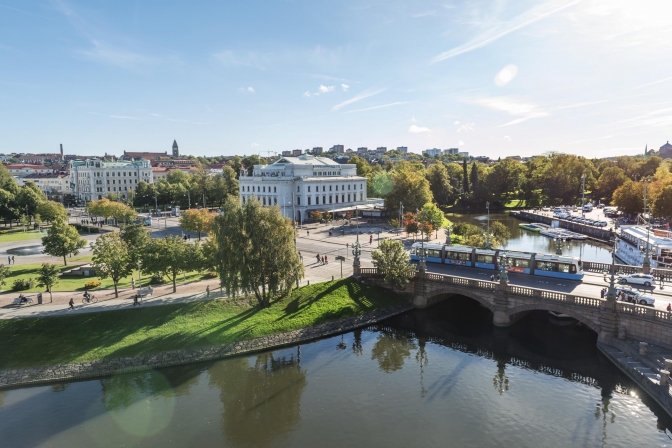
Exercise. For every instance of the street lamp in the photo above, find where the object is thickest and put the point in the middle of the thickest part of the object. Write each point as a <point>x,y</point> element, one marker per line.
<point>583,193</point>
<point>356,252</point>
<point>488,244</point>
<point>504,263</point>
<point>422,267</point>
<point>449,231</point>
<point>558,245</point>
<point>611,292</point>
<point>646,265</point>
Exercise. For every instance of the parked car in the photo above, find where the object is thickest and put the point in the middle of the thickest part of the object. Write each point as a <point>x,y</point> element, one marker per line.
<point>638,279</point>
<point>634,296</point>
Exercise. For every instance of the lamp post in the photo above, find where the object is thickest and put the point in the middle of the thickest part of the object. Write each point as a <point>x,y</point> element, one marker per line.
<point>356,252</point>
<point>401,216</point>
<point>583,193</point>
<point>449,231</point>
<point>646,265</point>
<point>558,245</point>
<point>611,292</point>
<point>422,266</point>
<point>488,244</point>
<point>503,264</point>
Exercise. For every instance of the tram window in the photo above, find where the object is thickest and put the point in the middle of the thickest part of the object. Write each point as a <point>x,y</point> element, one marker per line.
<point>484,258</point>
<point>572,269</point>
<point>546,266</point>
<point>521,263</point>
<point>458,256</point>
<point>563,267</point>
<point>433,253</point>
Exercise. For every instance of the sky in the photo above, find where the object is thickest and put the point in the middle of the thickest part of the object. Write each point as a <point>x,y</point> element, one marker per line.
<point>494,78</point>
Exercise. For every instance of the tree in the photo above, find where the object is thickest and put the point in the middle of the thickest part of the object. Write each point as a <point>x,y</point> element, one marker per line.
<point>610,179</point>
<point>5,272</point>
<point>629,197</point>
<point>411,188</point>
<point>439,184</point>
<point>197,220</point>
<point>465,176</point>
<point>363,167</point>
<point>47,277</point>
<point>52,211</point>
<point>169,257</point>
<point>62,239</point>
<point>136,238</point>
<point>256,252</point>
<point>380,185</point>
<point>392,259</point>
<point>473,177</point>
<point>230,180</point>
<point>662,205</point>
<point>112,259</point>
<point>433,216</point>
<point>29,197</point>
<point>505,177</point>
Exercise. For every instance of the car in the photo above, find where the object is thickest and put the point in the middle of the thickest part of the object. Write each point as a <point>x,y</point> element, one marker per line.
<point>602,223</point>
<point>628,294</point>
<point>638,279</point>
<point>644,299</point>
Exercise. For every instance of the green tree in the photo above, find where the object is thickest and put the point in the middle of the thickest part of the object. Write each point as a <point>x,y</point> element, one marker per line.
<point>629,197</point>
<point>411,188</point>
<point>363,167</point>
<point>62,240</point>
<point>29,197</point>
<point>231,186</point>
<point>47,277</point>
<point>465,176</point>
<point>112,258</point>
<point>610,179</point>
<point>5,272</point>
<point>169,257</point>
<point>434,216</point>
<point>649,166</point>
<point>439,184</point>
<point>662,205</point>
<point>380,185</point>
<point>392,259</point>
<point>136,238</point>
<point>505,177</point>
<point>473,177</point>
<point>52,211</point>
<point>197,220</point>
<point>256,252</point>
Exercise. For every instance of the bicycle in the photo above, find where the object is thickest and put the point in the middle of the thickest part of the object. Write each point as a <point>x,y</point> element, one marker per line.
<point>91,299</point>
<point>137,300</point>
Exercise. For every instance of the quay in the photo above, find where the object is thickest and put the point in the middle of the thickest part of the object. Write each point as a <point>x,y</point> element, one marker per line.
<point>593,233</point>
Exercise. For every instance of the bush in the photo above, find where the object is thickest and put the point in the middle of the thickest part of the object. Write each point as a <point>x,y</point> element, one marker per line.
<point>211,274</point>
<point>156,279</point>
<point>23,284</point>
<point>92,284</point>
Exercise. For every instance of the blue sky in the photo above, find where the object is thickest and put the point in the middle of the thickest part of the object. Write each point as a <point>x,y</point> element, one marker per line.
<point>495,78</point>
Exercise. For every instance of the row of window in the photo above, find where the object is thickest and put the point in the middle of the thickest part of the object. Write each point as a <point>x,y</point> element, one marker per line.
<point>102,189</point>
<point>333,199</point>
<point>262,189</point>
<point>118,174</point>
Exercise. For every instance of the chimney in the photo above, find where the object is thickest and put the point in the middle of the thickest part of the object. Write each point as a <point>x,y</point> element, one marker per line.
<point>61,150</point>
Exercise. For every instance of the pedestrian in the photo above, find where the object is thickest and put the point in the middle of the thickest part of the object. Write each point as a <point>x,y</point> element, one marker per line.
<point>307,232</point>
<point>326,259</point>
<point>669,307</point>
<point>602,293</point>
<point>133,283</point>
<point>370,239</point>
<point>13,260</point>
<point>492,278</point>
<point>300,257</point>
<point>9,259</point>
<point>318,257</point>
<point>322,260</point>
<point>71,303</point>
<point>207,291</point>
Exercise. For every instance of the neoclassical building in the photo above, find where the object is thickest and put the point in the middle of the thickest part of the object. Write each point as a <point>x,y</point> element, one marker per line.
<point>303,184</point>
<point>93,179</point>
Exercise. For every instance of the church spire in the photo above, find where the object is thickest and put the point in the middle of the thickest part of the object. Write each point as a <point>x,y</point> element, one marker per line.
<point>176,151</point>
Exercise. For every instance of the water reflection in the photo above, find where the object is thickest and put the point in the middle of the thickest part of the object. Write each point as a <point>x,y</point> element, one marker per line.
<point>261,400</point>
<point>391,349</point>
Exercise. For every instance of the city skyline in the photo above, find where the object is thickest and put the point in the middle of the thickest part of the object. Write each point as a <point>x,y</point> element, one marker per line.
<point>515,78</point>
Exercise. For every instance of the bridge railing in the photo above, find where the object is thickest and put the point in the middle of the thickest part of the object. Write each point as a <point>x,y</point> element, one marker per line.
<point>594,266</point>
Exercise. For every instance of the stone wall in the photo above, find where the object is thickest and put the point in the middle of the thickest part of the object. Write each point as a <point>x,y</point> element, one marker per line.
<point>106,367</point>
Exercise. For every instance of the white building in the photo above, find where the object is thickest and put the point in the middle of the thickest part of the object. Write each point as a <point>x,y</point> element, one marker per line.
<point>432,152</point>
<point>304,184</point>
<point>54,185</point>
<point>93,179</point>
<point>25,168</point>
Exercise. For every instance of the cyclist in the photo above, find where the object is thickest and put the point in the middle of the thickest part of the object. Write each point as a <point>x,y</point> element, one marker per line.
<point>135,300</point>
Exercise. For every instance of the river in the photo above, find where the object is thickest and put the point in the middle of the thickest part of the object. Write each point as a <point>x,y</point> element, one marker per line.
<point>527,241</point>
<point>432,378</point>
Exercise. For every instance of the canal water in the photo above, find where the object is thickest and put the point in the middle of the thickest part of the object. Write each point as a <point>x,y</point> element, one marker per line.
<point>428,378</point>
<point>527,241</point>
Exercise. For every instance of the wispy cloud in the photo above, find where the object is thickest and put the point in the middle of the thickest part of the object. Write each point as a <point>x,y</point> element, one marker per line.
<point>467,127</point>
<point>254,145</point>
<point>512,106</point>
<point>325,89</point>
<point>380,107</point>
<point>175,120</point>
<point>106,54</point>
<point>654,83</point>
<point>457,122</point>
<point>525,19</point>
<point>360,96</point>
<point>417,129</point>
<point>418,15</point>
<point>656,118</point>
<point>345,87</point>
<point>247,89</point>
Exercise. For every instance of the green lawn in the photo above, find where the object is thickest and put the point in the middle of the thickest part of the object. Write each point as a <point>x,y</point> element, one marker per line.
<point>19,235</point>
<point>113,334</point>
<point>26,271</point>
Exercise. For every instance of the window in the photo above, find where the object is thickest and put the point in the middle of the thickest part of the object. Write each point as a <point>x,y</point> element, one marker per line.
<point>308,200</point>
<point>521,263</point>
<point>330,199</point>
<point>360,186</point>
<point>298,200</point>
<point>274,190</point>
<point>317,200</point>
<point>275,201</point>
<point>329,187</point>
<point>342,198</point>
<point>308,189</point>
<point>324,188</point>
<point>264,199</point>
<point>484,258</point>
<point>298,189</point>
<point>324,199</point>
<point>248,188</point>
<point>348,186</point>
<point>264,189</point>
<point>360,196</point>
<point>337,199</point>
<point>434,253</point>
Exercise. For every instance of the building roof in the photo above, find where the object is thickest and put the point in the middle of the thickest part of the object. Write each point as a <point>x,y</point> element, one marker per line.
<point>18,166</point>
<point>44,176</point>
<point>145,155</point>
<point>305,159</point>
<point>175,144</point>
<point>666,146</point>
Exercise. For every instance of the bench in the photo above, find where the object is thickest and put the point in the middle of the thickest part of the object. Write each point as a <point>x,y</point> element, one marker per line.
<point>142,292</point>
<point>18,301</point>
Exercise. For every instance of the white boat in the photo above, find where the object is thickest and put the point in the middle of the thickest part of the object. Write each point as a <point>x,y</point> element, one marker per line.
<point>632,243</point>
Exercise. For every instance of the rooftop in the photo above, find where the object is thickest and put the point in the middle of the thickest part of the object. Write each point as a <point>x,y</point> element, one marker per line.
<point>305,159</point>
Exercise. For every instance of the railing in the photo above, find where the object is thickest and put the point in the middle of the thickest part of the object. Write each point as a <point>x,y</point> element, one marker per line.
<point>594,266</point>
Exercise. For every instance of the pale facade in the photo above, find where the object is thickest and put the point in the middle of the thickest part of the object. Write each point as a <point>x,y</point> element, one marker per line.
<point>93,179</point>
<point>299,185</point>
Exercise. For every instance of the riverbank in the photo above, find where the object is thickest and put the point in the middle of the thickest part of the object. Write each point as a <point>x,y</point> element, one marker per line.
<point>52,348</point>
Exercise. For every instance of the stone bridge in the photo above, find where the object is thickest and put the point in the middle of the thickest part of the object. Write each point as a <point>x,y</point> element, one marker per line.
<point>508,303</point>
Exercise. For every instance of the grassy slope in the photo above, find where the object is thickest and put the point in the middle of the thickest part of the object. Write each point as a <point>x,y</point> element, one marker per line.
<point>112,334</point>
<point>20,235</point>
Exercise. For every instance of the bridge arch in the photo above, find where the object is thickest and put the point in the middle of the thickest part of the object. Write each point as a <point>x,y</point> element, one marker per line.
<point>541,306</point>
<point>436,298</point>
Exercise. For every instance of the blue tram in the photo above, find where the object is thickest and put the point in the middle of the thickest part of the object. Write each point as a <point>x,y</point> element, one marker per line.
<point>545,265</point>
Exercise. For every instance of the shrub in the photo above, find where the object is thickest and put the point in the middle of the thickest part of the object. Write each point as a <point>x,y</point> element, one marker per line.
<point>92,284</point>
<point>211,274</point>
<point>21,284</point>
<point>156,279</point>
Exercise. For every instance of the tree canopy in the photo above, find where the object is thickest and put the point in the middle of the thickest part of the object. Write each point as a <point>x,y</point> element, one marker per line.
<point>392,259</point>
<point>112,258</point>
<point>62,240</point>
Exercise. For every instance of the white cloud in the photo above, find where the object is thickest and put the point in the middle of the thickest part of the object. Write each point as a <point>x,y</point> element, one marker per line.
<point>461,143</point>
<point>325,89</point>
<point>506,137</point>
<point>106,54</point>
<point>380,107</point>
<point>527,18</point>
<point>457,122</point>
<point>467,127</point>
<point>506,75</point>
<point>254,145</point>
<point>247,89</point>
<point>416,129</point>
<point>306,94</point>
<point>345,87</point>
<point>413,120</point>
<point>360,96</point>
<point>512,106</point>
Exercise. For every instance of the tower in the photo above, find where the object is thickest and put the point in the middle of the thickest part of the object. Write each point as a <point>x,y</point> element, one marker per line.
<point>61,151</point>
<point>176,151</point>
